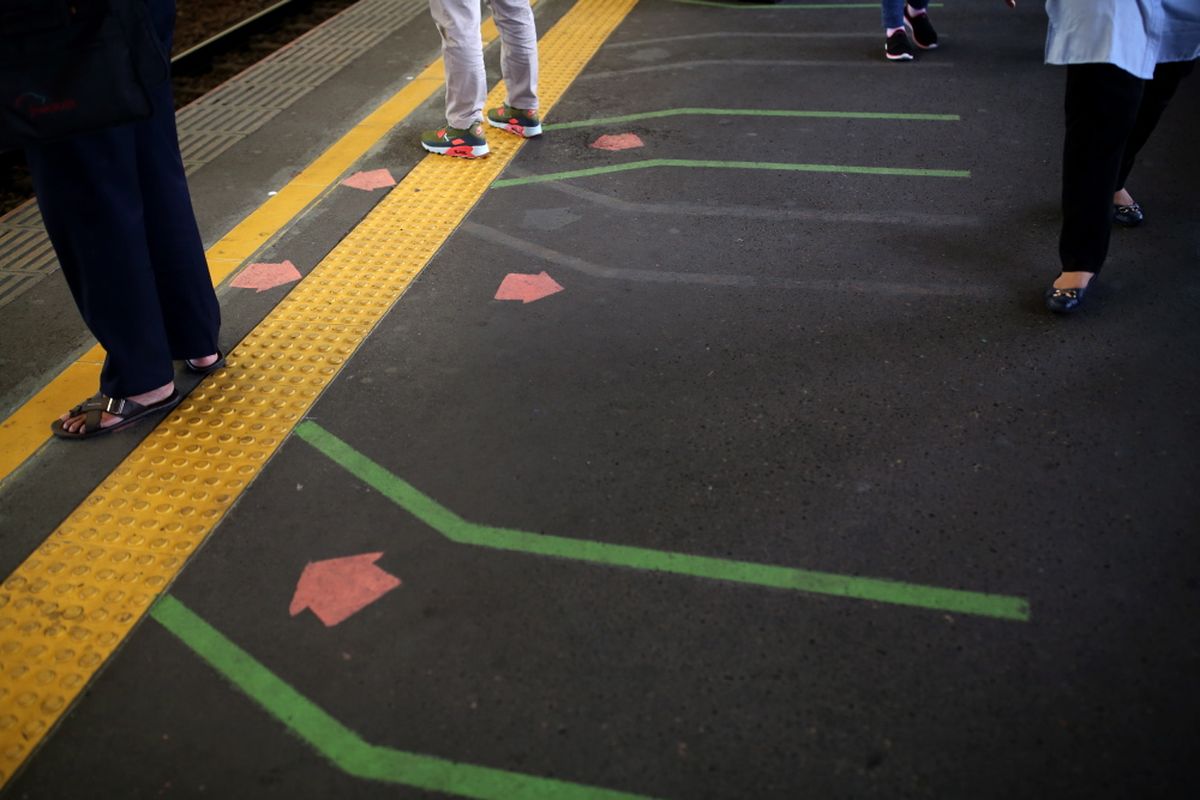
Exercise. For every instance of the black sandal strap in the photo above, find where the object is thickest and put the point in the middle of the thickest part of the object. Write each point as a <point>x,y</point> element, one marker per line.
<point>93,407</point>
<point>95,401</point>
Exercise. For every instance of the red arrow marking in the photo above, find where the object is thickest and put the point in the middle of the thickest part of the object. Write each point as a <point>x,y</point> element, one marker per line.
<point>618,141</point>
<point>261,277</point>
<point>527,288</point>
<point>339,587</point>
<point>375,179</point>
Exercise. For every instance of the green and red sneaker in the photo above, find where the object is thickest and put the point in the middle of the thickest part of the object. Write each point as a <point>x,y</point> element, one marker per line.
<point>522,122</point>
<point>459,142</point>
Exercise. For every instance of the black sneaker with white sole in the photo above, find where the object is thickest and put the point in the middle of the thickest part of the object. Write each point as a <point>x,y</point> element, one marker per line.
<point>920,29</point>
<point>897,48</point>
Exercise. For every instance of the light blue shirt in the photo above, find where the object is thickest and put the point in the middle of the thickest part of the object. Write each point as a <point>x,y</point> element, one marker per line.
<point>1134,35</point>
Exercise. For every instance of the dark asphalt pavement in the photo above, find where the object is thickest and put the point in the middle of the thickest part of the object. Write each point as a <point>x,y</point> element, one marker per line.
<point>846,373</point>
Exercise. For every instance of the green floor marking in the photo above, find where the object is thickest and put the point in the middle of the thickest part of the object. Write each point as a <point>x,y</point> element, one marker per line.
<point>456,529</point>
<point>344,747</point>
<point>690,163</point>
<point>750,112</point>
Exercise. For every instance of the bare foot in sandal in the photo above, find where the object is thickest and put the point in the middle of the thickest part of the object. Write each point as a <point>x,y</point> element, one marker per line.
<point>100,414</point>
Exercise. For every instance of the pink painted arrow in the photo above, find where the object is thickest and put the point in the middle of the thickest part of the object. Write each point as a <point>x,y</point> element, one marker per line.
<point>375,179</point>
<point>338,588</point>
<point>618,141</point>
<point>261,277</point>
<point>527,288</point>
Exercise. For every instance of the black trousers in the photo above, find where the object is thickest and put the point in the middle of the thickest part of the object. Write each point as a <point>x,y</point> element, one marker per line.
<point>1110,116</point>
<point>117,208</point>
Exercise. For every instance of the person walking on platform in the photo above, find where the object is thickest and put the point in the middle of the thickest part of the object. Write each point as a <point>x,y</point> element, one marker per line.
<point>902,20</point>
<point>906,24</point>
<point>466,82</point>
<point>115,203</point>
<point>1124,59</point>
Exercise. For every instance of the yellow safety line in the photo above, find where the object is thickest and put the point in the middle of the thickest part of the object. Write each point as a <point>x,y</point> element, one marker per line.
<point>70,604</point>
<point>28,427</point>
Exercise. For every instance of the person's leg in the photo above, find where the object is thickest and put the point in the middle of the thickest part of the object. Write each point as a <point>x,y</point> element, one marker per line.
<point>1101,107</point>
<point>462,50</point>
<point>1155,99</point>
<point>892,12</point>
<point>518,51</point>
<point>88,192</point>
<point>896,45</point>
<point>87,189</point>
<point>190,311</point>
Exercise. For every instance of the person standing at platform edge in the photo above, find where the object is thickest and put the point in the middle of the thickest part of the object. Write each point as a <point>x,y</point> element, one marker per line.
<point>115,203</point>
<point>1124,59</point>
<point>466,82</point>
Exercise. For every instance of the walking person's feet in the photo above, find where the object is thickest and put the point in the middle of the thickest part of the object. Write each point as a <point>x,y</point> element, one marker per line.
<point>1066,293</point>
<point>919,28</point>
<point>897,47</point>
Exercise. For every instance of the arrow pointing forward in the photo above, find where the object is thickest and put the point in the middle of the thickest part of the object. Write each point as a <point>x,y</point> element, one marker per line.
<point>338,588</point>
<point>527,288</point>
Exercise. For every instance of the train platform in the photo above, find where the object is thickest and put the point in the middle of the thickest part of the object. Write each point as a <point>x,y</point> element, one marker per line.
<point>714,444</point>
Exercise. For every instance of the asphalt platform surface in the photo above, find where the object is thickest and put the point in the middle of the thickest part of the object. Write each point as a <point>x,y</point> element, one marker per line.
<point>841,372</point>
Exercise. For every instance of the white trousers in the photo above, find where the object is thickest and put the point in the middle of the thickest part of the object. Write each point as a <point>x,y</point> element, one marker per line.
<point>462,51</point>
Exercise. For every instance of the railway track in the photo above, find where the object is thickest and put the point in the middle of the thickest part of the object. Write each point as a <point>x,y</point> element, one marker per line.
<point>202,66</point>
<point>198,58</point>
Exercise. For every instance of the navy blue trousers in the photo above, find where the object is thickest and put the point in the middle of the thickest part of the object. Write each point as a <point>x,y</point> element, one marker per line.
<point>117,208</point>
<point>1110,116</point>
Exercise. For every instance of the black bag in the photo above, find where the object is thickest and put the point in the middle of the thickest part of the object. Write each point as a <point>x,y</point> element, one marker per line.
<point>73,66</point>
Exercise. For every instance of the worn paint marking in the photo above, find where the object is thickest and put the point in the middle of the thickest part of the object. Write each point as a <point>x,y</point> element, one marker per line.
<point>687,163</point>
<point>618,141</point>
<point>369,181</point>
<point>527,288</point>
<point>338,588</point>
<point>263,276</point>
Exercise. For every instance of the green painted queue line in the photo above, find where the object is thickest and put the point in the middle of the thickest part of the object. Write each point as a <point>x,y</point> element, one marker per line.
<point>751,112</point>
<point>763,165</point>
<point>651,163</point>
<point>345,748</point>
<point>456,529</point>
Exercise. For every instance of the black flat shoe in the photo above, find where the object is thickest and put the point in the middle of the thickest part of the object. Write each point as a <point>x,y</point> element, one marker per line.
<point>1129,216</point>
<point>1065,301</point>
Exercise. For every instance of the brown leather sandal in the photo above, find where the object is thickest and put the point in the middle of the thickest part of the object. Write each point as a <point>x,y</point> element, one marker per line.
<point>95,407</point>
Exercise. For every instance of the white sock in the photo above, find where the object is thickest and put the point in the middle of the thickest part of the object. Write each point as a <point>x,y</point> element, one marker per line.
<point>915,12</point>
<point>890,31</point>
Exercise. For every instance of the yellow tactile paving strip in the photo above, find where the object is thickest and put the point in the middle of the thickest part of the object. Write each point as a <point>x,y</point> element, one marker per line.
<point>65,610</point>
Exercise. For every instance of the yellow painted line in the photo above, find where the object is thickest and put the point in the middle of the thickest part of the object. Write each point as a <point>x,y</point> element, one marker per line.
<point>74,600</point>
<point>28,427</point>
